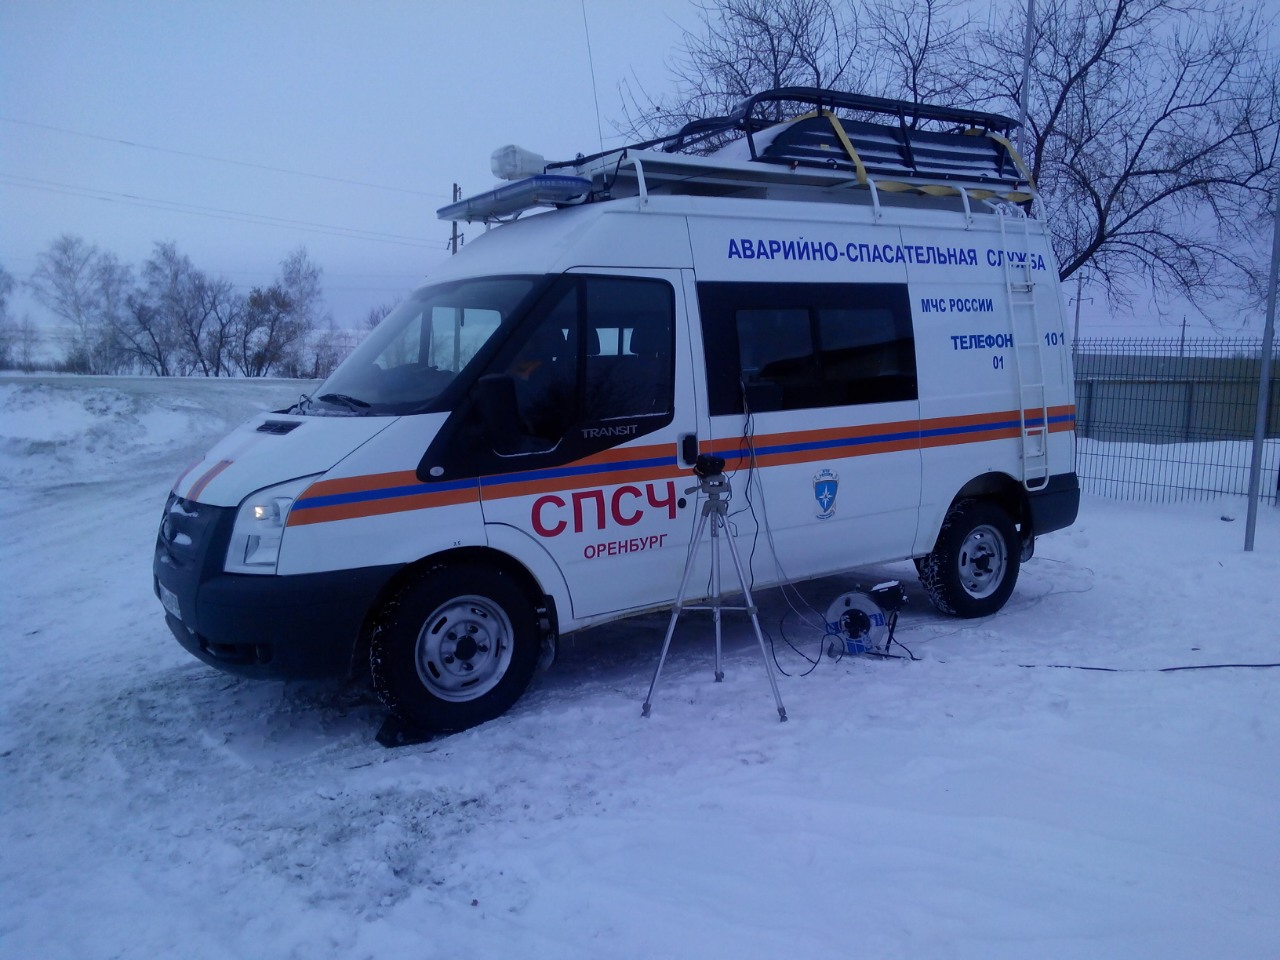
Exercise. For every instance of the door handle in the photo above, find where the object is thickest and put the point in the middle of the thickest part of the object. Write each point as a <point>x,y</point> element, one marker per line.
<point>688,449</point>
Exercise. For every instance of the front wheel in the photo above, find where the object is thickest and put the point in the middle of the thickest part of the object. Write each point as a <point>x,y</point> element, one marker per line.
<point>974,566</point>
<point>455,648</point>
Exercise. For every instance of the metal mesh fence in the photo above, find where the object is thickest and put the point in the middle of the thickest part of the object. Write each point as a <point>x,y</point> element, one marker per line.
<point>1170,419</point>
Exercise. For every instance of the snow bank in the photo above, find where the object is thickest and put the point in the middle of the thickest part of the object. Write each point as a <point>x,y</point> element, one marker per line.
<point>56,430</point>
<point>986,801</point>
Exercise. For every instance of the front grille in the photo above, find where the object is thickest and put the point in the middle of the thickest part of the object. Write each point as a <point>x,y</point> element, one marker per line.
<point>184,532</point>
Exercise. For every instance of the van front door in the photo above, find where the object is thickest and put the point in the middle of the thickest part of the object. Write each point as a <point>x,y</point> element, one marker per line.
<point>584,415</point>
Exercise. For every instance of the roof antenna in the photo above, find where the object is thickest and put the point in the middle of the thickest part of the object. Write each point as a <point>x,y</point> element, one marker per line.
<point>592,64</point>
<point>1023,137</point>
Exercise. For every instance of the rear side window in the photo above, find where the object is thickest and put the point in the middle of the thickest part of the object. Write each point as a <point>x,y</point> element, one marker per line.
<point>791,346</point>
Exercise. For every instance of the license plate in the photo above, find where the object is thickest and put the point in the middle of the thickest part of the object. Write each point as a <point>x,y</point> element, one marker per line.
<point>170,601</point>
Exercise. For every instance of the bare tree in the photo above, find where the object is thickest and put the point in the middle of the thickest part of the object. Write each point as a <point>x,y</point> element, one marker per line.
<point>182,318</point>
<point>7,284</point>
<point>743,46</point>
<point>379,313</point>
<point>63,282</point>
<point>916,46</point>
<point>18,338</point>
<point>1154,127</point>
<point>85,288</point>
<point>8,328</point>
<point>300,280</point>
<point>328,347</point>
<point>224,308</point>
<point>28,338</point>
<point>177,320</point>
<point>147,336</point>
<point>113,283</point>
<point>266,331</point>
<point>273,328</point>
<point>1153,123</point>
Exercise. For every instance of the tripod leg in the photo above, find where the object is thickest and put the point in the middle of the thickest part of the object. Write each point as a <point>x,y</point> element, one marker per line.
<point>716,521</point>
<point>755,622</point>
<point>675,611</point>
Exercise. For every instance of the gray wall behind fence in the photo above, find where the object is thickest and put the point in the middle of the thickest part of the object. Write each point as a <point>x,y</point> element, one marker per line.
<point>1124,395</point>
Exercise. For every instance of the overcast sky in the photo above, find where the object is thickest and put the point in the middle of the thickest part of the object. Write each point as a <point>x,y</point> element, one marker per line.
<point>241,130</point>
<point>394,101</point>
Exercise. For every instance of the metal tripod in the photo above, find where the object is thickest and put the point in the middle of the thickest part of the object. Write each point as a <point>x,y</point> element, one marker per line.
<point>714,485</point>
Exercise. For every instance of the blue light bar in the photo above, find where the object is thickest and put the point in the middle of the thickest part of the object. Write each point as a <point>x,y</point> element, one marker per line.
<point>544,190</point>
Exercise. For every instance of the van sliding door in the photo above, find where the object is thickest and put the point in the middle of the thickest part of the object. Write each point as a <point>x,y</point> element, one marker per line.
<point>814,403</point>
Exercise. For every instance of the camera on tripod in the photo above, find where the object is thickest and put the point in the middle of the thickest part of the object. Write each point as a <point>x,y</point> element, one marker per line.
<point>714,486</point>
<point>710,473</point>
<point>707,466</point>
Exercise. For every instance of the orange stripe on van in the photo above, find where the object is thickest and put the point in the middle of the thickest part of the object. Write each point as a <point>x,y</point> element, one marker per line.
<point>374,481</point>
<point>197,488</point>
<point>374,508</point>
<point>556,484</point>
<point>349,498</point>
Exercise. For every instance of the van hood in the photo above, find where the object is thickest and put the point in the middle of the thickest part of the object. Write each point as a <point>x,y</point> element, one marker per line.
<point>272,448</point>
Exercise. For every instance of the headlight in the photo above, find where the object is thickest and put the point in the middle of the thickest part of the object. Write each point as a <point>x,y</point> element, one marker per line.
<point>255,539</point>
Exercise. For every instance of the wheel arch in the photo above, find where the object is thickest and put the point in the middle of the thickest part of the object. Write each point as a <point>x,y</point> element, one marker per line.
<point>543,601</point>
<point>1003,490</point>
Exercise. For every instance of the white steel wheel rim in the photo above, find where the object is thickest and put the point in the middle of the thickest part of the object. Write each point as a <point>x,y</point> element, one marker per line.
<point>982,562</point>
<point>464,648</point>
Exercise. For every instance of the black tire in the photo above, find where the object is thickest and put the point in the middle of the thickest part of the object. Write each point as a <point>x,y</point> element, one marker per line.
<point>974,566</point>
<point>454,648</point>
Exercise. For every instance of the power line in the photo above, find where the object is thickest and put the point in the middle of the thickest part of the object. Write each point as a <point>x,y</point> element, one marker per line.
<point>203,156</point>
<point>173,206</point>
<point>92,193</point>
<point>411,278</point>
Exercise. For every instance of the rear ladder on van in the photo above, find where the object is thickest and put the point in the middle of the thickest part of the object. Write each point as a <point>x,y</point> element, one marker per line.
<point>1028,352</point>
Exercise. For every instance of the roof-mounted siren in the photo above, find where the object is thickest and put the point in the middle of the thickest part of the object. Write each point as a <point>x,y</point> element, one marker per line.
<point>529,187</point>
<point>516,163</point>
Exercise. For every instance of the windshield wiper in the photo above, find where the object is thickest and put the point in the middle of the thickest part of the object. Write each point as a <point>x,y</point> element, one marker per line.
<point>354,404</point>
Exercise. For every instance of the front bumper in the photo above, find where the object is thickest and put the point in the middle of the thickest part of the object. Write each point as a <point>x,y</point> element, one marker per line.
<point>271,627</point>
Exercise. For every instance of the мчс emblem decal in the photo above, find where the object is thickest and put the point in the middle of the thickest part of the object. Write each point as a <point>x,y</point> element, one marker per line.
<point>825,485</point>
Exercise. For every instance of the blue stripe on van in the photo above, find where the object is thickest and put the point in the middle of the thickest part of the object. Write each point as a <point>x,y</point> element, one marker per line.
<point>557,473</point>
<point>384,493</point>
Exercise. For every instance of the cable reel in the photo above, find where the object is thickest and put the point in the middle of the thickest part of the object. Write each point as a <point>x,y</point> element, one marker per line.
<point>862,621</point>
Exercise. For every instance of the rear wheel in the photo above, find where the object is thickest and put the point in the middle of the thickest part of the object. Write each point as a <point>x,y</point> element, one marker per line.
<point>455,648</point>
<point>974,566</point>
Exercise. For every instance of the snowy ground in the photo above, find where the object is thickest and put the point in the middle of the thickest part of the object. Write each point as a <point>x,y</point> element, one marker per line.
<point>978,803</point>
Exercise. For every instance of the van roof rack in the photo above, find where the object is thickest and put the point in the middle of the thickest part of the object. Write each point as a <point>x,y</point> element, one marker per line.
<point>744,118</point>
<point>839,144</point>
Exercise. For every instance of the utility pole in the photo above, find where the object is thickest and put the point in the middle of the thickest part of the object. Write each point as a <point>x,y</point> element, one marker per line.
<point>456,239</point>
<point>1264,386</point>
<point>1075,340</point>
<point>1182,342</point>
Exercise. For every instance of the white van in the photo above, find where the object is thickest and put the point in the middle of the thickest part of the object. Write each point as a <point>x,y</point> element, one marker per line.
<point>863,320</point>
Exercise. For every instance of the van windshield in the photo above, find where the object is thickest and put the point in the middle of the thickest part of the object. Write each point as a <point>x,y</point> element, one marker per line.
<point>421,346</point>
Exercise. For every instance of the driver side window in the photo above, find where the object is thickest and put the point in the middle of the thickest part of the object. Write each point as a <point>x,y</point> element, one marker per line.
<point>597,368</point>
<point>545,373</point>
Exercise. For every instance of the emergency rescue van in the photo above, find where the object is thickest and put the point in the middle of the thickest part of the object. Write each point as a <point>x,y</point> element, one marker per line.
<point>862,318</point>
